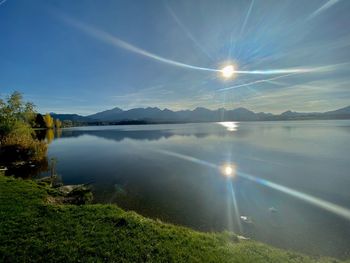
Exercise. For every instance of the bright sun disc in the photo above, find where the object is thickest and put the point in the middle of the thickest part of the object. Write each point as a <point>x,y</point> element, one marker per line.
<point>228,170</point>
<point>227,71</point>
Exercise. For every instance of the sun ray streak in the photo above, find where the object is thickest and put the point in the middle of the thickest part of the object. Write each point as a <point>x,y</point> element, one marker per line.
<point>246,20</point>
<point>235,206</point>
<point>318,202</point>
<point>231,44</point>
<point>187,158</point>
<point>247,17</point>
<point>186,31</point>
<point>330,207</point>
<point>242,28</point>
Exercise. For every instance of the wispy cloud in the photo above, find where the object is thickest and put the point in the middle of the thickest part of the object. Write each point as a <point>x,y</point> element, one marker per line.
<point>255,82</point>
<point>320,95</point>
<point>112,40</point>
<point>323,8</point>
<point>2,2</point>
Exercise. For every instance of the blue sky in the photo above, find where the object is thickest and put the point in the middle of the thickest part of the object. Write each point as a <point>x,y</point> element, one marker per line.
<point>50,51</point>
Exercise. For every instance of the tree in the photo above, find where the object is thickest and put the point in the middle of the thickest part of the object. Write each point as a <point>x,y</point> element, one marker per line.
<point>17,137</point>
<point>58,124</point>
<point>39,121</point>
<point>48,121</point>
<point>14,111</point>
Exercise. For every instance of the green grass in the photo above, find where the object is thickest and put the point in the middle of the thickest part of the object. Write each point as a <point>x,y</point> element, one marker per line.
<point>32,230</point>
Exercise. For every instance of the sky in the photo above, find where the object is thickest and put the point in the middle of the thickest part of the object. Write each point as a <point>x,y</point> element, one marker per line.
<point>87,56</point>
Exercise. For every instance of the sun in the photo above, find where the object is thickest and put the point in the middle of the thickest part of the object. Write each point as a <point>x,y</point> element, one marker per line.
<point>228,170</point>
<point>228,71</point>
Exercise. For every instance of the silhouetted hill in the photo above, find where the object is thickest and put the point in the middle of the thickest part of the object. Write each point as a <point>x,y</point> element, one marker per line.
<point>199,114</point>
<point>105,115</point>
<point>241,114</point>
<point>290,113</point>
<point>345,110</point>
<point>71,117</point>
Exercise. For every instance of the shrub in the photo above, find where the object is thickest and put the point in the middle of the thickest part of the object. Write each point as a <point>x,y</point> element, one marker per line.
<point>20,144</point>
<point>17,137</point>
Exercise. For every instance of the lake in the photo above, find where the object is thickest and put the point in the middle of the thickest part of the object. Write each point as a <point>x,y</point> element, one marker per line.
<point>290,183</point>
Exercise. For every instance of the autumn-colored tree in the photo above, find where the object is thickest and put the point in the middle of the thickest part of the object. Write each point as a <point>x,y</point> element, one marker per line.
<point>49,122</point>
<point>58,124</point>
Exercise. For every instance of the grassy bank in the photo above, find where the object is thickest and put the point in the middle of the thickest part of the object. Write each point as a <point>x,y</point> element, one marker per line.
<point>32,229</point>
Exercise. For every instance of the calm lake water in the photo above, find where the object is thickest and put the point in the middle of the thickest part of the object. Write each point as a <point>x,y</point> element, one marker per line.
<point>172,172</point>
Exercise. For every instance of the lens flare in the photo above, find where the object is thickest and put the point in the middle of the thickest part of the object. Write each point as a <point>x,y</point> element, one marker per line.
<point>318,202</point>
<point>227,72</point>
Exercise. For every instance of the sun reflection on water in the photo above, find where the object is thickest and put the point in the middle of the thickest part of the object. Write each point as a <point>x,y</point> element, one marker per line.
<point>229,125</point>
<point>229,172</point>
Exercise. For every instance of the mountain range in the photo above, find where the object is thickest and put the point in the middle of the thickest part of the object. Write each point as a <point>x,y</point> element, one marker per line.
<point>200,114</point>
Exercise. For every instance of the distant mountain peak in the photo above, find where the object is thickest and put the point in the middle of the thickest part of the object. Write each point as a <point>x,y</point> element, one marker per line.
<point>242,109</point>
<point>152,108</point>
<point>201,109</point>
<point>288,113</point>
<point>106,115</point>
<point>345,110</point>
<point>117,109</point>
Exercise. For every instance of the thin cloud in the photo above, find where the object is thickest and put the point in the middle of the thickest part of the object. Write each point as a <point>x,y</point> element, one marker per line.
<point>323,8</point>
<point>114,41</point>
<point>310,96</point>
<point>2,2</point>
